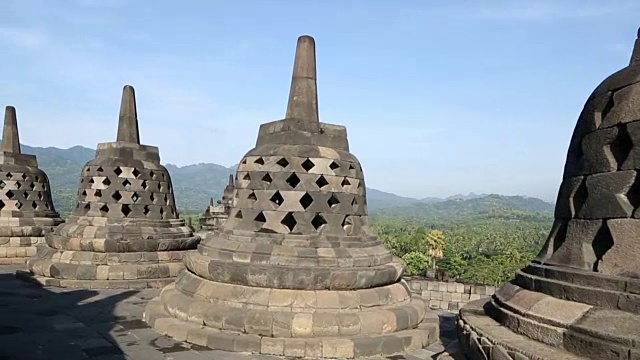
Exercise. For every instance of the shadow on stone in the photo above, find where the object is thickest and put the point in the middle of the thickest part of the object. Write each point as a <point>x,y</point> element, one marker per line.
<point>39,323</point>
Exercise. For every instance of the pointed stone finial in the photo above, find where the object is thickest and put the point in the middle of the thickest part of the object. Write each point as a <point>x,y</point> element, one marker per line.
<point>128,122</point>
<point>211,202</point>
<point>635,55</point>
<point>230,180</point>
<point>303,96</point>
<point>10,138</point>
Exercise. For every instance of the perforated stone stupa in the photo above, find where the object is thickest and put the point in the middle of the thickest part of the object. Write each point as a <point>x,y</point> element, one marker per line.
<point>295,270</point>
<point>125,231</point>
<point>580,299</point>
<point>26,209</point>
<point>216,214</point>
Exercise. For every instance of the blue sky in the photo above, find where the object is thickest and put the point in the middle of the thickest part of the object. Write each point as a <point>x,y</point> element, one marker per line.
<point>438,97</point>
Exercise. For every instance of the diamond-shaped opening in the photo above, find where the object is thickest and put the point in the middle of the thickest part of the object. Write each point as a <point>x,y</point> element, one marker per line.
<point>334,165</point>
<point>318,221</point>
<point>159,186</point>
<point>10,194</point>
<point>136,172</point>
<point>260,217</point>
<point>91,181</point>
<point>289,221</point>
<point>276,198</point>
<point>322,182</point>
<point>43,186</point>
<point>152,197</point>
<point>259,161</point>
<point>244,161</point>
<point>306,200</point>
<point>621,146</point>
<point>18,205</point>
<point>164,176</point>
<point>333,201</point>
<point>166,199</point>
<point>105,182</point>
<point>24,176</point>
<point>238,215</point>
<point>354,202</point>
<point>117,171</point>
<point>135,197</point>
<point>84,193</point>
<point>99,169</point>
<point>126,183</point>
<point>345,182</point>
<point>246,177</point>
<point>1,204</point>
<point>293,180</point>
<point>580,196</point>
<point>126,210</point>
<point>144,185</point>
<point>145,210</point>
<point>161,212</point>
<point>152,174</point>
<point>267,178</point>
<point>359,184</point>
<point>9,175</point>
<point>308,165</point>
<point>46,205</point>
<point>116,195</point>
<point>33,186</point>
<point>252,196</point>
<point>37,178</point>
<point>283,162</point>
<point>2,184</point>
<point>18,185</point>
<point>25,194</point>
<point>601,244</point>
<point>98,193</point>
<point>40,196</point>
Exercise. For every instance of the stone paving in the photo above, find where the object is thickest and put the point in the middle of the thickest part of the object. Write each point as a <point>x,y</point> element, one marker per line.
<point>39,323</point>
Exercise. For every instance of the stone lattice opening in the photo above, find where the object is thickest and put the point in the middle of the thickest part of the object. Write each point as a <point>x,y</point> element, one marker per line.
<point>98,193</point>
<point>24,176</point>
<point>33,185</point>
<point>276,198</point>
<point>104,209</point>
<point>289,221</point>
<point>126,210</point>
<point>18,205</point>
<point>238,214</point>
<point>283,163</point>
<point>37,178</point>
<point>333,201</point>
<point>308,165</point>
<point>127,184</point>
<point>322,182</point>
<point>161,212</point>
<point>601,244</point>
<point>144,185</point>
<point>91,181</point>
<point>152,198</point>
<point>293,180</point>
<point>166,199</point>
<point>34,205</point>
<point>152,175</point>
<point>106,181</point>
<point>84,193</point>
<point>117,171</point>
<point>267,178</point>
<point>246,177</point>
<point>318,222</point>
<point>621,146</point>
<point>159,186</point>
<point>40,196</point>
<point>306,200</point>
<point>135,197</point>
<point>345,182</point>
<point>9,175</point>
<point>99,169</point>
<point>252,196</point>
<point>259,161</point>
<point>116,195</point>
<point>260,218</point>
<point>25,195</point>
<point>2,184</point>
<point>18,185</point>
<point>136,172</point>
<point>145,210</point>
<point>334,165</point>
<point>2,204</point>
<point>10,194</point>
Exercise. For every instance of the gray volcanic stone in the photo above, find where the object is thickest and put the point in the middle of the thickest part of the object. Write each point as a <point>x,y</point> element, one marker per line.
<point>296,268</point>
<point>125,230</point>
<point>216,214</point>
<point>579,298</point>
<point>26,208</point>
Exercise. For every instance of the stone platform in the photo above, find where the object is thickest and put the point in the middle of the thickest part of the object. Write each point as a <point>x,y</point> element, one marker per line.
<point>41,323</point>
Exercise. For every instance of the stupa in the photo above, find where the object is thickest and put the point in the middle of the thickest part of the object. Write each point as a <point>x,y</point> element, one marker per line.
<point>580,298</point>
<point>217,213</point>
<point>296,270</point>
<point>125,231</point>
<point>26,209</point>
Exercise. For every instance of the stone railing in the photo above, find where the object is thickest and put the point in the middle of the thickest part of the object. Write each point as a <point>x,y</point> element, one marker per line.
<point>447,295</point>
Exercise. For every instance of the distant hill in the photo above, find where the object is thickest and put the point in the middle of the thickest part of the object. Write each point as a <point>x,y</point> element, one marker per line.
<point>195,184</point>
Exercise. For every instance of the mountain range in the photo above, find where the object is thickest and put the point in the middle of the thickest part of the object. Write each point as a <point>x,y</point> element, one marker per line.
<point>194,185</point>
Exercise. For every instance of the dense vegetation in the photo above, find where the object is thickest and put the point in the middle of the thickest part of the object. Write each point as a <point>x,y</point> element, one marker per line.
<point>475,238</point>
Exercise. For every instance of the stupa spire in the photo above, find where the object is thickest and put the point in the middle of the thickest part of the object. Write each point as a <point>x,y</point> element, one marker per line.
<point>230,180</point>
<point>303,96</point>
<point>10,138</point>
<point>128,121</point>
<point>635,55</point>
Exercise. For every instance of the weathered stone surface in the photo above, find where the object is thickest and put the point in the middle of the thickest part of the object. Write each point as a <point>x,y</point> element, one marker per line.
<point>296,262</point>
<point>125,228</point>
<point>579,298</point>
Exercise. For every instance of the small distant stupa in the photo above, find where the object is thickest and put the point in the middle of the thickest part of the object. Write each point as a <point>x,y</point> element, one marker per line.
<point>296,270</point>
<point>580,298</point>
<point>217,213</point>
<point>26,209</point>
<point>125,231</point>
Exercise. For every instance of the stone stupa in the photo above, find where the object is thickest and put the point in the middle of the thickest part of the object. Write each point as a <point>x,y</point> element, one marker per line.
<point>295,270</point>
<point>26,209</point>
<point>125,231</point>
<point>217,213</point>
<point>580,298</point>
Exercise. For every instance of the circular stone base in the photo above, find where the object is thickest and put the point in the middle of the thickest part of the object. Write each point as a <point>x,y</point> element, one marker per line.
<point>95,284</point>
<point>332,347</point>
<point>13,260</point>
